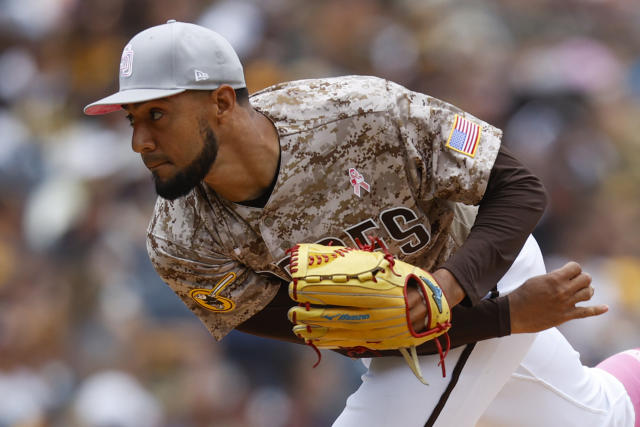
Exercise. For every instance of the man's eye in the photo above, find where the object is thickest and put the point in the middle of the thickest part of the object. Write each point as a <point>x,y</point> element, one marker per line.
<point>130,118</point>
<point>156,115</point>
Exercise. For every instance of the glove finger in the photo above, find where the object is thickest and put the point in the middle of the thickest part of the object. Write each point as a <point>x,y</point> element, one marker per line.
<point>384,339</point>
<point>352,292</point>
<point>313,332</point>
<point>348,317</point>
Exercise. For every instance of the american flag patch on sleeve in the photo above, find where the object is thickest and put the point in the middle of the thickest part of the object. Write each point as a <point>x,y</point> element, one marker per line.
<point>464,137</point>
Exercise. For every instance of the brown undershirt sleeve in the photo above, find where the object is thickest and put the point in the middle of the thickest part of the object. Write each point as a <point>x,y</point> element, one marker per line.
<point>513,203</point>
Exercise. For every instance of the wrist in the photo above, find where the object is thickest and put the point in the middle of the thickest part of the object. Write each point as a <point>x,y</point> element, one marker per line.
<point>450,286</point>
<point>516,326</point>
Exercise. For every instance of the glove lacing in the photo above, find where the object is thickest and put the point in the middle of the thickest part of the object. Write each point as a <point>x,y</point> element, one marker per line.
<point>293,263</point>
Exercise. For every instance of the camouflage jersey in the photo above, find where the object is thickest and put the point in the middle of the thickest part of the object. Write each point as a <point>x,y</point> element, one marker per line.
<point>360,157</point>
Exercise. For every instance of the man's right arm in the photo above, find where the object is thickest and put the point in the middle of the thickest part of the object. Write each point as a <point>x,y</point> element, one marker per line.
<point>540,303</point>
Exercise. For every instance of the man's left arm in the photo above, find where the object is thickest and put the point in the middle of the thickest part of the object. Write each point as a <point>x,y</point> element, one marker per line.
<point>456,157</point>
<point>511,207</point>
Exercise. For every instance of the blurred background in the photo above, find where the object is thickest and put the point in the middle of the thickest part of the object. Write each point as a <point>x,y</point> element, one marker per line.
<point>89,336</point>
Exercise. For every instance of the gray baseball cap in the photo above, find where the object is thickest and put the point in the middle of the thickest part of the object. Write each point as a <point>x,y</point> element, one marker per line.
<point>169,59</point>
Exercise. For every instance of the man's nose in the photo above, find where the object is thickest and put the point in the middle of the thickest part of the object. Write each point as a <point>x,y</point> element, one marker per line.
<point>141,140</point>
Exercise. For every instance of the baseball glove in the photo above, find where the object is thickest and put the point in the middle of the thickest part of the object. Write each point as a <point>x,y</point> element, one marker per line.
<point>356,299</point>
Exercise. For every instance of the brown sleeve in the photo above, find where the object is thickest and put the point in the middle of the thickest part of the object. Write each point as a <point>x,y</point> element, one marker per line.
<point>510,209</point>
<point>272,321</point>
<point>488,319</point>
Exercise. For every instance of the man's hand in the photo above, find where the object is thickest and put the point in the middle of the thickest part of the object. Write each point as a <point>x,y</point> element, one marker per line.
<point>550,299</point>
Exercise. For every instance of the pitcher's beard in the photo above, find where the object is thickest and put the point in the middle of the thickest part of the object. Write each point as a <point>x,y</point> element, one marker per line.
<point>186,179</point>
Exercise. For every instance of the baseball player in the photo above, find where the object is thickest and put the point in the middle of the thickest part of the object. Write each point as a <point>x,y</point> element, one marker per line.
<point>355,161</point>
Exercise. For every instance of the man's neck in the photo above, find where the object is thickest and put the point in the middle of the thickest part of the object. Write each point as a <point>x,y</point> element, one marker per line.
<point>248,159</point>
<point>261,201</point>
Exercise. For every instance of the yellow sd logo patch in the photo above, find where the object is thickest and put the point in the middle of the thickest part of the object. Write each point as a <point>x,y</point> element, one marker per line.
<point>209,298</point>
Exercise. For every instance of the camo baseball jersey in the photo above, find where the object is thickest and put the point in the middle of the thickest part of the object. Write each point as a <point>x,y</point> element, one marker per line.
<point>360,157</point>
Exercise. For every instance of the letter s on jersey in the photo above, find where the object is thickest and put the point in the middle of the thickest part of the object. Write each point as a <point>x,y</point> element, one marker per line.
<point>395,219</point>
<point>395,222</point>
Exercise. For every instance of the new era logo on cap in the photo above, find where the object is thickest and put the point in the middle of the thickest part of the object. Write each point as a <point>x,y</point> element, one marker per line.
<point>201,75</point>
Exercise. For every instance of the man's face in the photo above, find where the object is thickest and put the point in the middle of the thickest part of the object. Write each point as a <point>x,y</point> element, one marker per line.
<point>175,141</point>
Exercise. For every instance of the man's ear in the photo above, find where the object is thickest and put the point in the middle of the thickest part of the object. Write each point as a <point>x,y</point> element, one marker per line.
<point>224,99</point>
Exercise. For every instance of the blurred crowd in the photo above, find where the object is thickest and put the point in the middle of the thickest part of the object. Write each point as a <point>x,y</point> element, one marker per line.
<point>89,335</point>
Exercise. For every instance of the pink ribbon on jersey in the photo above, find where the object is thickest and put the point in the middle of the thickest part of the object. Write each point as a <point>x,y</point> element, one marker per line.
<point>357,180</point>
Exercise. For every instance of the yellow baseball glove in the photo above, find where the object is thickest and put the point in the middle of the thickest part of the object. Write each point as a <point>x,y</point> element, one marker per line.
<point>357,298</point>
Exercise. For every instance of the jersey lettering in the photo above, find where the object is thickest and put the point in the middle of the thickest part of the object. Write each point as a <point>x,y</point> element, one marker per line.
<point>401,224</point>
<point>394,220</point>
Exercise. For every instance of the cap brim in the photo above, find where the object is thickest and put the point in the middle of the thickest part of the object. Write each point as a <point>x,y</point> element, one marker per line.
<point>114,102</point>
